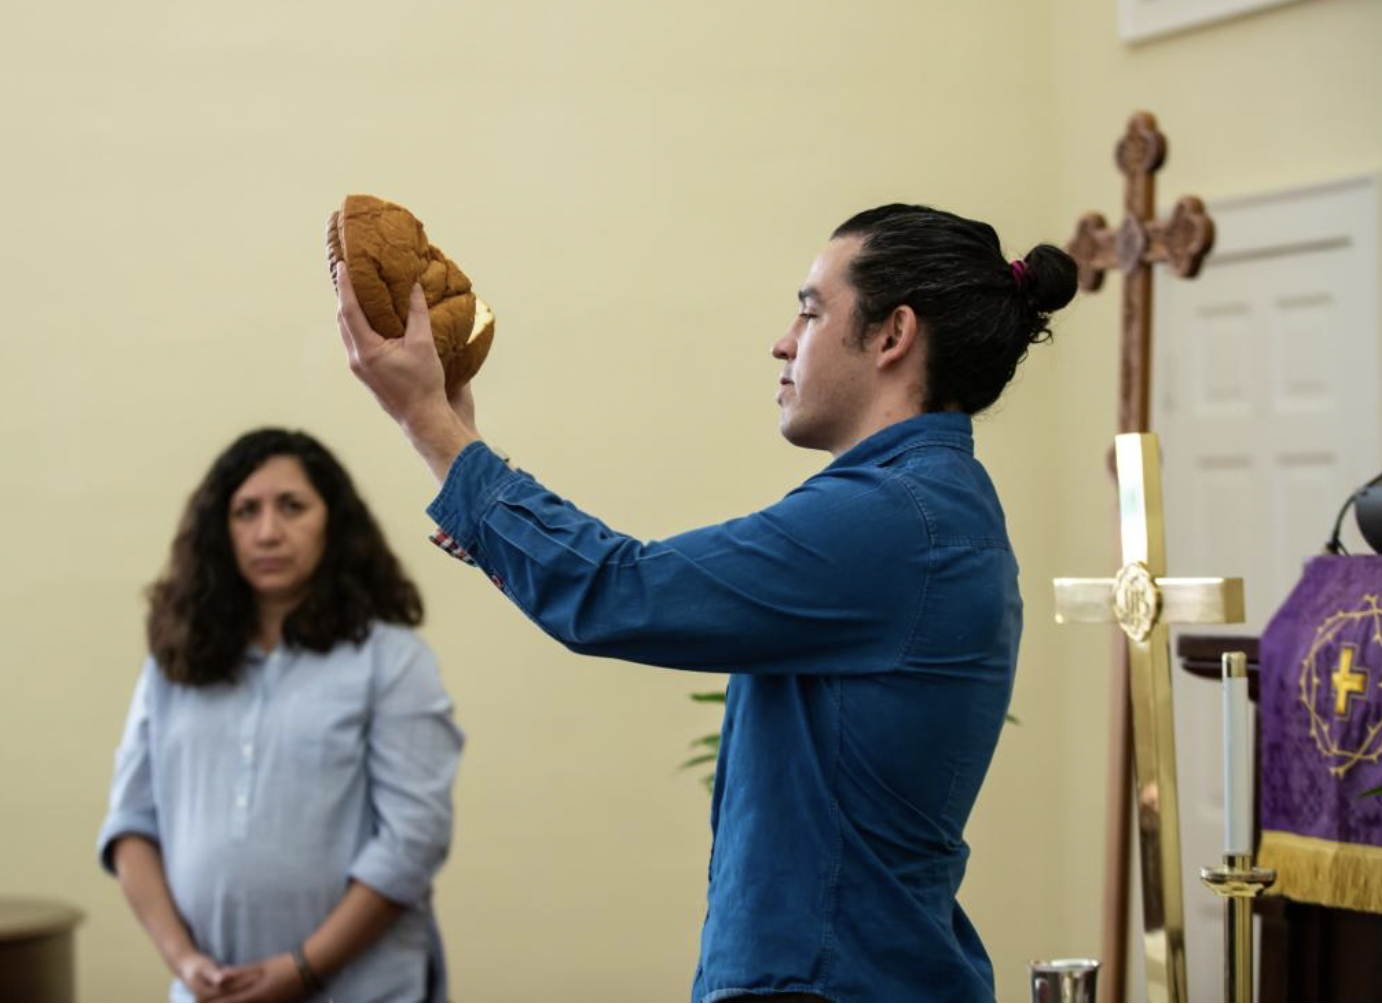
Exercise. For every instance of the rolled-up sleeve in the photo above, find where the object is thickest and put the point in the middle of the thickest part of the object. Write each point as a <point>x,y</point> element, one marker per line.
<point>778,591</point>
<point>414,746</point>
<point>132,810</point>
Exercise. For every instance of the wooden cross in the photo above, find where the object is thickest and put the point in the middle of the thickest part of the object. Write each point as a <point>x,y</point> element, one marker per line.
<point>1141,240</point>
<point>1145,602</point>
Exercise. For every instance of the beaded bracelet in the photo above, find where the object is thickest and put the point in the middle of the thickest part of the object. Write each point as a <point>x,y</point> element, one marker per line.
<point>310,981</point>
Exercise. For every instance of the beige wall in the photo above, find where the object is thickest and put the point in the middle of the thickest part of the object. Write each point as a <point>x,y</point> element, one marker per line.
<point>638,188</point>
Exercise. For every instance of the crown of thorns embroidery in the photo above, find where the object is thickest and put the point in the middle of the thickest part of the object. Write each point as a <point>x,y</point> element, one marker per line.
<point>1334,683</point>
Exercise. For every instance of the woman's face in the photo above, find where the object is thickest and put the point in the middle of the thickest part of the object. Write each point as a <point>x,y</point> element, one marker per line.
<point>278,529</point>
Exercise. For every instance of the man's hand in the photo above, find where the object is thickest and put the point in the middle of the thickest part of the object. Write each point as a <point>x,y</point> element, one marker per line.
<point>273,979</point>
<point>463,404</point>
<point>405,376</point>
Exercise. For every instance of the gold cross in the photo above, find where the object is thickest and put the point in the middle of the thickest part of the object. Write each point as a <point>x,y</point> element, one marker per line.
<point>1347,681</point>
<point>1145,602</point>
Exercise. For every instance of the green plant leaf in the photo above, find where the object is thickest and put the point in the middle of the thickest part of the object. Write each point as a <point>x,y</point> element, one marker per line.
<point>1371,791</point>
<point>711,741</point>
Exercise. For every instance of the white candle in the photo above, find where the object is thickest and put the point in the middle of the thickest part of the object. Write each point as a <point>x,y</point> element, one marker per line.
<point>1237,757</point>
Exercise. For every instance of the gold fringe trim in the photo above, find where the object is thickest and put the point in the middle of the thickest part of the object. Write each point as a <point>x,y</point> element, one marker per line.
<point>1311,870</point>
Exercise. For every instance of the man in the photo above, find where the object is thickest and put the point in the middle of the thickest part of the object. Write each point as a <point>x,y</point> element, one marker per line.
<point>870,618</point>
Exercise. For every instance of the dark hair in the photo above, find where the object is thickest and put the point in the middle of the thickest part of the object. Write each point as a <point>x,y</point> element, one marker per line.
<point>202,611</point>
<point>980,312</point>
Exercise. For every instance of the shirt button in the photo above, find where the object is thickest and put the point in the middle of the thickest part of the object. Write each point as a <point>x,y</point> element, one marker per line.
<point>248,750</point>
<point>241,801</point>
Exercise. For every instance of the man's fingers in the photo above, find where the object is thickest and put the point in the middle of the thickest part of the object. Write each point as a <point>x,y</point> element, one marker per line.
<point>356,332</point>
<point>346,339</point>
<point>419,327</point>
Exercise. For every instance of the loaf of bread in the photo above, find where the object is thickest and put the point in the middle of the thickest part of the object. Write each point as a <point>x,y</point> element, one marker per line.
<point>386,251</point>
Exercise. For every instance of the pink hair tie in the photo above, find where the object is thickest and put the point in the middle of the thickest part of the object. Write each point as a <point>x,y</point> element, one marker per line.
<point>1019,270</point>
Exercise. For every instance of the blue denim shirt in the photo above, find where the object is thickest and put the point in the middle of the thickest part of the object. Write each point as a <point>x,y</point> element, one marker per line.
<point>871,621</point>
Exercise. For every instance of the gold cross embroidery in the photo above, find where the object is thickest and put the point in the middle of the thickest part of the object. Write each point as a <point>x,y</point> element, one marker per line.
<point>1347,681</point>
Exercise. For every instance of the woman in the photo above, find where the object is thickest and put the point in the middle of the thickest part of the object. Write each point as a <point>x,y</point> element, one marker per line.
<point>281,799</point>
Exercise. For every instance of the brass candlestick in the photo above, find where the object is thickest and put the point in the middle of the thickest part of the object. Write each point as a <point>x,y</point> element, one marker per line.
<point>1239,882</point>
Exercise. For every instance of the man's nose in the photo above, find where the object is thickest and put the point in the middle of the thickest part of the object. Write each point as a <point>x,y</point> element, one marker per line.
<point>786,346</point>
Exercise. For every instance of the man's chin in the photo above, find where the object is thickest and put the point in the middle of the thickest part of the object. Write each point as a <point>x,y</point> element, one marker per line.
<point>798,436</point>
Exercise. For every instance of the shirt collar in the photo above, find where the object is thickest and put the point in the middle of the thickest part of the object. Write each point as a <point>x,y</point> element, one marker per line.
<point>954,429</point>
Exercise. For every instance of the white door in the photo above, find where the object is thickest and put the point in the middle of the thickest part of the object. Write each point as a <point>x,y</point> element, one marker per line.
<point>1267,382</point>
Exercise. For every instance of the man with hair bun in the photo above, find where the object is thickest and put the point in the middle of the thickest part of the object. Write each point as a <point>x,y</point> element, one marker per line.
<point>869,620</point>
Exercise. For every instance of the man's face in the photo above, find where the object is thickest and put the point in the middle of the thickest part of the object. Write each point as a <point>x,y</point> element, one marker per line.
<point>278,529</point>
<point>827,382</point>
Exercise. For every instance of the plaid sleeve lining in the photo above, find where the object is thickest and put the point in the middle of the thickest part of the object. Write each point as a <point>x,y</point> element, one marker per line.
<point>450,545</point>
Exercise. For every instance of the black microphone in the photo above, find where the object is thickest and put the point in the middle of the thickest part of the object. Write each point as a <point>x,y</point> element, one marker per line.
<point>1367,508</point>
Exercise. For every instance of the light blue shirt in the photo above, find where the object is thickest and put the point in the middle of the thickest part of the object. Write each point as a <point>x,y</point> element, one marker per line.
<point>268,795</point>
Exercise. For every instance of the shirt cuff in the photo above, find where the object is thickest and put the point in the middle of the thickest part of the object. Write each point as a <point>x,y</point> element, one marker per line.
<point>405,886</point>
<point>124,824</point>
<point>450,545</point>
<point>474,481</point>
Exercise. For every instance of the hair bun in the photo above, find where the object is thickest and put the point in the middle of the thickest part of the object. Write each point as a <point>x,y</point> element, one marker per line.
<point>1051,278</point>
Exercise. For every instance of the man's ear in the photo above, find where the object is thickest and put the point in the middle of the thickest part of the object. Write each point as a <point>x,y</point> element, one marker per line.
<point>899,337</point>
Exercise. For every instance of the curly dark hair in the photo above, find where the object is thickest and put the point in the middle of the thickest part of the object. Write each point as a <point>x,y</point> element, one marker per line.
<point>202,612</point>
<point>980,311</point>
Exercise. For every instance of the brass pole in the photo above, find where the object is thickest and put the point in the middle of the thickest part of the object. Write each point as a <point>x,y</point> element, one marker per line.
<point>1238,881</point>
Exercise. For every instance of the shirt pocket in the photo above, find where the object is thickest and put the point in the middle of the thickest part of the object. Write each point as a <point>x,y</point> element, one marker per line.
<point>329,733</point>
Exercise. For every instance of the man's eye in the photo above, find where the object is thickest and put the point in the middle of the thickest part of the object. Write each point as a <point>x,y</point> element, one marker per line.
<point>807,314</point>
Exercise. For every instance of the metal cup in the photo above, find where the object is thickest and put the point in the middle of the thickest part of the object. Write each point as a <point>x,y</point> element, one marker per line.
<point>1064,980</point>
